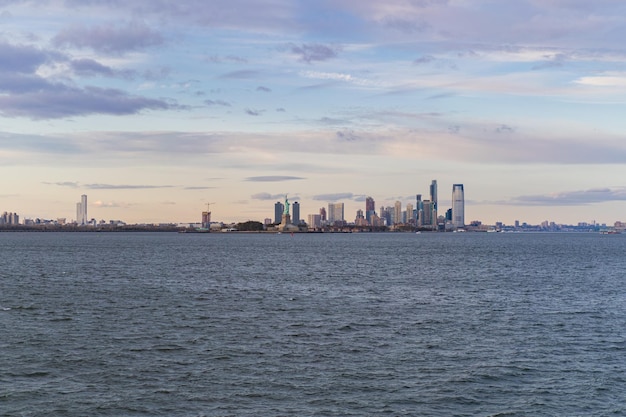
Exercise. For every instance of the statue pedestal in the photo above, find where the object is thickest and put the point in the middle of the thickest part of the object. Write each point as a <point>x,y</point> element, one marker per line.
<point>286,226</point>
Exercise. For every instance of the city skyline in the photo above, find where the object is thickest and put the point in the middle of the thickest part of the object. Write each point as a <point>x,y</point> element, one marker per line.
<point>156,109</point>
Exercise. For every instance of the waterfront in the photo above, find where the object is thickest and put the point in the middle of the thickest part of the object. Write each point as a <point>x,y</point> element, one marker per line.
<point>312,324</point>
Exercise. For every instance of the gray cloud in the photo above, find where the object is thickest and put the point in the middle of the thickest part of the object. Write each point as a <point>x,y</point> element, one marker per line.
<point>348,136</point>
<point>263,89</point>
<point>72,184</point>
<point>123,187</point>
<point>333,197</point>
<point>254,112</point>
<point>110,39</point>
<point>571,198</point>
<point>426,59</point>
<point>89,68</point>
<point>192,188</point>
<point>240,75</point>
<point>273,178</point>
<point>23,59</point>
<point>58,101</point>
<point>217,103</point>
<point>313,52</point>
<point>267,196</point>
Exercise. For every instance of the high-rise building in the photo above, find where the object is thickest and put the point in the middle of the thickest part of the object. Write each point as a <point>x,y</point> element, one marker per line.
<point>419,210</point>
<point>278,212</point>
<point>323,216</point>
<point>81,211</point>
<point>295,217</point>
<point>409,214</point>
<point>458,206</point>
<point>335,213</point>
<point>427,214</point>
<point>397,212</point>
<point>315,220</point>
<point>433,200</point>
<point>370,209</point>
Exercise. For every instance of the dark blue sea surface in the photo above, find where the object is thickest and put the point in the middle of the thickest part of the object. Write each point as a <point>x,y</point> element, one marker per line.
<point>448,324</point>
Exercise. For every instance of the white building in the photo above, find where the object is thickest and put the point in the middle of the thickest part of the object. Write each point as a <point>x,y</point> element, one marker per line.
<point>81,211</point>
<point>458,206</point>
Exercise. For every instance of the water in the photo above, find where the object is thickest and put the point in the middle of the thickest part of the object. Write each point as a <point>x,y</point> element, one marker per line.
<point>162,324</point>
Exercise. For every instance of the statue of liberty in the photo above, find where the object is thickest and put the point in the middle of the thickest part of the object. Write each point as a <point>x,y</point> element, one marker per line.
<point>286,211</point>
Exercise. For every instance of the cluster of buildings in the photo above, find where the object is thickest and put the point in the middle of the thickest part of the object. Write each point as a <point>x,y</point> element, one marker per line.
<point>421,215</point>
<point>9,218</point>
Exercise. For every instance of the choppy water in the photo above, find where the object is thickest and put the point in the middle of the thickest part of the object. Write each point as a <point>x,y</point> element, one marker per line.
<point>156,324</point>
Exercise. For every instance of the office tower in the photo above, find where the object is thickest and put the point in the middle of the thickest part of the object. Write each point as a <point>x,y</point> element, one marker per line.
<point>278,212</point>
<point>81,211</point>
<point>315,220</point>
<point>409,214</point>
<point>335,212</point>
<point>427,214</point>
<point>419,210</point>
<point>295,217</point>
<point>360,218</point>
<point>370,209</point>
<point>433,200</point>
<point>323,217</point>
<point>397,212</point>
<point>458,206</point>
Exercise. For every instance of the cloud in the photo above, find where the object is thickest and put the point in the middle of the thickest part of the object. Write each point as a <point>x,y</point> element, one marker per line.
<point>192,188</point>
<point>334,197</point>
<point>51,101</point>
<point>254,112</point>
<point>109,39</point>
<point>217,103</point>
<point>263,89</point>
<point>267,196</point>
<point>73,184</point>
<point>23,59</point>
<point>70,184</point>
<point>89,68</point>
<point>240,75</point>
<point>110,204</point>
<point>313,52</point>
<point>571,198</point>
<point>273,178</point>
<point>426,59</point>
<point>123,187</point>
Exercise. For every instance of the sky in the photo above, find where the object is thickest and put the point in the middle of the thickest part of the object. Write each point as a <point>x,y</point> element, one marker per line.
<point>158,109</point>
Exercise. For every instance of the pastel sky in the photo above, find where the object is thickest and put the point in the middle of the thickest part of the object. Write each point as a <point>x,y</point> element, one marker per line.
<point>154,108</point>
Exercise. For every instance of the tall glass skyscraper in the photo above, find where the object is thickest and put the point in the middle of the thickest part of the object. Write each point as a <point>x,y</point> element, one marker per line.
<point>81,211</point>
<point>278,212</point>
<point>370,209</point>
<point>433,200</point>
<point>295,208</point>
<point>458,206</point>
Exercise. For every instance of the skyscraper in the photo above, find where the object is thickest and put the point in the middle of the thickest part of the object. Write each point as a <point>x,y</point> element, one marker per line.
<point>419,210</point>
<point>433,199</point>
<point>397,212</point>
<point>81,211</point>
<point>409,214</point>
<point>295,218</point>
<point>458,206</point>
<point>278,212</point>
<point>335,212</point>
<point>370,209</point>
